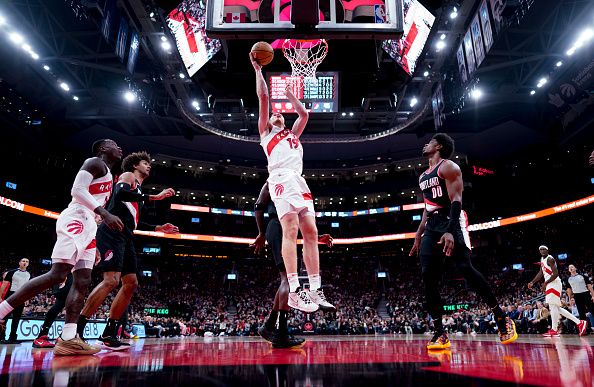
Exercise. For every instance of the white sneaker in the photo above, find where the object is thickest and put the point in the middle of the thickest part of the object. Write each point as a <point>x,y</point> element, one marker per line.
<point>300,300</point>
<point>318,297</point>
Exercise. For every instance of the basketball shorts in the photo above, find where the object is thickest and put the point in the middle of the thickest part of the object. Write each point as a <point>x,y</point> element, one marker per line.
<point>290,194</point>
<point>274,237</point>
<point>431,252</point>
<point>117,251</point>
<point>75,244</point>
<point>553,292</point>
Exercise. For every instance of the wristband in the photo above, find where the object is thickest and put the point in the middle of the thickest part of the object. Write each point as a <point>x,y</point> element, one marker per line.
<point>455,210</point>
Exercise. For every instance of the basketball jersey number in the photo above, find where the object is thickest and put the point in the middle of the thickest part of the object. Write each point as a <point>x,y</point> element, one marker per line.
<point>293,143</point>
<point>437,192</point>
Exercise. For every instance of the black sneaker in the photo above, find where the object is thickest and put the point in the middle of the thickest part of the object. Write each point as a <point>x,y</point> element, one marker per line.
<point>113,344</point>
<point>266,334</point>
<point>124,343</point>
<point>287,342</point>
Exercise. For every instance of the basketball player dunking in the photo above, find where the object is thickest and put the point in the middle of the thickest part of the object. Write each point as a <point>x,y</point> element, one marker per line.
<point>273,234</point>
<point>443,235</point>
<point>75,247</point>
<point>552,287</point>
<point>291,195</point>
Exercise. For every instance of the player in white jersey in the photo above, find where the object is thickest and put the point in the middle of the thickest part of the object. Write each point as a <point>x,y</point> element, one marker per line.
<point>552,288</point>
<point>74,250</point>
<point>291,195</point>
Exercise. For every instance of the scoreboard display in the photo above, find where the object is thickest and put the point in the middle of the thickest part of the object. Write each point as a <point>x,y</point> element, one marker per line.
<point>319,96</point>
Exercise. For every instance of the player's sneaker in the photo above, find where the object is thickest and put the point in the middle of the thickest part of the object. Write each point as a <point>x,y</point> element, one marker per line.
<point>43,342</point>
<point>300,300</point>
<point>318,297</point>
<point>74,347</point>
<point>266,333</point>
<point>287,342</point>
<point>112,343</point>
<point>439,341</point>
<point>551,333</point>
<point>582,327</point>
<point>510,335</point>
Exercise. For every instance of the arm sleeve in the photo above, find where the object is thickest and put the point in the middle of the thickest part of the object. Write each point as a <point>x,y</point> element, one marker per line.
<point>124,192</point>
<point>455,210</point>
<point>145,226</point>
<point>80,190</point>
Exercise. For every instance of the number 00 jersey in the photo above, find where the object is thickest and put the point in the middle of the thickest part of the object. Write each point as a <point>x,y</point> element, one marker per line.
<point>435,191</point>
<point>283,150</point>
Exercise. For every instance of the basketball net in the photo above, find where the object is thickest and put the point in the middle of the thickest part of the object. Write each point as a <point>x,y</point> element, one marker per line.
<point>305,56</point>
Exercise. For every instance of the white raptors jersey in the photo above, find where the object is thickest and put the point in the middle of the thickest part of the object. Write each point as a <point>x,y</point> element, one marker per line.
<point>546,269</point>
<point>283,150</point>
<point>100,188</point>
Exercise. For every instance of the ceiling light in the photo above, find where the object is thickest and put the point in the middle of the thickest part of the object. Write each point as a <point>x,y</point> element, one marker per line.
<point>343,114</point>
<point>586,35</point>
<point>442,36</point>
<point>26,47</point>
<point>454,13</point>
<point>426,73</point>
<point>163,38</point>
<point>559,64</point>
<point>16,38</point>
<point>46,67</point>
<point>440,45</point>
<point>75,98</point>
<point>252,115</point>
<point>228,114</point>
<point>129,96</point>
<point>64,86</point>
<point>196,104</point>
<point>152,14</point>
<point>182,75</point>
<point>165,45</point>
<point>570,51</point>
<point>34,55</point>
<point>2,20</point>
<point>351,114</point>
<point>476,93</point>
<point>413,101</point>
<point>541,82</point>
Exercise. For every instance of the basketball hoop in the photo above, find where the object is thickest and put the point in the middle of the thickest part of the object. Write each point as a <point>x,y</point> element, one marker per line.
<point>305,56</point>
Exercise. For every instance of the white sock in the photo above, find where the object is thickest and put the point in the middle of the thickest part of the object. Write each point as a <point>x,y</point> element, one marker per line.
<point>5,309</point>
<point>315,282</point>
<point>565,313</point>
<point>69,331</point>
<point>554,316</point>
<point>293,279</point>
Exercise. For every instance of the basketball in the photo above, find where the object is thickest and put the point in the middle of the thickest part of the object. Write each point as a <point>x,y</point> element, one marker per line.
<point>264,53</point>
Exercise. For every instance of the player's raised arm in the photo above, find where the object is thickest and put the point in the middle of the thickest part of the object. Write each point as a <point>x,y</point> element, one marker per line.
<point>263,98</point>
<point>301,121</point>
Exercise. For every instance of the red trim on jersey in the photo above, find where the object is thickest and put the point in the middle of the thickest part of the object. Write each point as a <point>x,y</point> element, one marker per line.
<point>427,201</point>
<point>553,291</point>
<point>100,188</point>
<point>307,196</point>
<point>547,270</point>
<point>429,170</point>
<point>92,245</point>
<point>276,139</point>
<point>137,215</point>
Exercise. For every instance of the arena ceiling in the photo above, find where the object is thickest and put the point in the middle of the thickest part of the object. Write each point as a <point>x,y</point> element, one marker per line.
<point>507,118</point>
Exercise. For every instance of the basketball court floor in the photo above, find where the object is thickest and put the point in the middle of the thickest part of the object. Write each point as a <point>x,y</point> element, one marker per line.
<point>321,361</point>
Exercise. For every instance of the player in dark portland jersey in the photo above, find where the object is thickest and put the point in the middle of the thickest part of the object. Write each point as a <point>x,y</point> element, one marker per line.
<point>118,256</point>
<point>443,237</point>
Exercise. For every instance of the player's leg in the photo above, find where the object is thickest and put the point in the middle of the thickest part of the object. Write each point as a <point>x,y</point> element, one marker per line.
<point>56,275</point>
<point>477,282</point>
<point>42,340</point>
<point>311,258</point>
<point>274,237</point>
<point>111,280</point>
<point>582,325</point>
<point>17,313</point>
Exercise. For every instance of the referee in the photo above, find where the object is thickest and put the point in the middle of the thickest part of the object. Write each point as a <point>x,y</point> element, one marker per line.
<point>579,287</point>
<point>12,281</point>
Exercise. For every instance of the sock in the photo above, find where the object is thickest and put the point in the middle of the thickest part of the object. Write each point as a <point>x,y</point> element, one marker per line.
<point>5,309</point>
<point>81,324</point>
<point>315,282</point>
<point>282,322</point>
<point>293,279</point>
<point>554,316</point>
<point>271,322</point>
<point>111,328</point>
<point>565,313</point>
<point>44,331</point>
<point>499,318</point>
<point>69,331</point>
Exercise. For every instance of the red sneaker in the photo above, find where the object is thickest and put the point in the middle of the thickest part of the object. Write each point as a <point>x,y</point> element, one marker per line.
<point>42,342</point>
<point>582,327</point>
<point>551,333</point>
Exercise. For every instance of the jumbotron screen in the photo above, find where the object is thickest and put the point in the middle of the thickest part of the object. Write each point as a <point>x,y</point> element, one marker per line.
<point>318,97</point>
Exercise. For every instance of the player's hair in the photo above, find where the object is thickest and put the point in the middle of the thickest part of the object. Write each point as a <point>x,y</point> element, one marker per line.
<point>133,159</point>
<point>96,147</point>
<point>447,145</point>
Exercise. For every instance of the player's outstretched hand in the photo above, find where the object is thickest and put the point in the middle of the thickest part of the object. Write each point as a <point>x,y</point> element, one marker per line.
<point>326,239</point>
<point>255,64</point>
<point>415,248</point>
<point>167,228</point>
<point>259,243</point>
<point>166,193</point>
<point>113,222</point>
<point>447,240</point>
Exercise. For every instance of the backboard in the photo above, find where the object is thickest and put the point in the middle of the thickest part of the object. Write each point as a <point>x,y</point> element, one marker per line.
<point>272,19</point>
